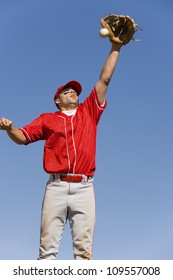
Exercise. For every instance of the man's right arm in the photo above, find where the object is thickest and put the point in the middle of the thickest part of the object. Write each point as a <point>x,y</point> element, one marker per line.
<point>15,134</point>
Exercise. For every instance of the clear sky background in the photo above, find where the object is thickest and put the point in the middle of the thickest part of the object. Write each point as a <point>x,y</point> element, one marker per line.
<point>44,44</point>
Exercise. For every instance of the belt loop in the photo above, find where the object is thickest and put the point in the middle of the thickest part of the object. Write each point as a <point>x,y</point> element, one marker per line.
<point>53,177</point>
<point>85,178</point>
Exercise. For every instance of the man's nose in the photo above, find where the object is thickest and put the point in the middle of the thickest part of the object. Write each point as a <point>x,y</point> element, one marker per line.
<point>73,93</point>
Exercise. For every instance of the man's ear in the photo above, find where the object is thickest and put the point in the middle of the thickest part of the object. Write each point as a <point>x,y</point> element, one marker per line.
<point>57,101</point>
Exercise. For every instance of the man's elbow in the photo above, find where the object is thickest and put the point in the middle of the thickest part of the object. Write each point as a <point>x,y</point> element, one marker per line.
<point>106,81</point>
<point>19,142</point>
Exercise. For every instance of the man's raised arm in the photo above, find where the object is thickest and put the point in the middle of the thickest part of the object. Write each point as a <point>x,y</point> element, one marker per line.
<point>107,72</point>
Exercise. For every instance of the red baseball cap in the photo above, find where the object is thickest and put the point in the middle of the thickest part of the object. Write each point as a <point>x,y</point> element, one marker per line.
<point>74,84</point>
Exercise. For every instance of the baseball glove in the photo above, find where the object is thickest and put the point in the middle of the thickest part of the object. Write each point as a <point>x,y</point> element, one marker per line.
<point>121,28</point>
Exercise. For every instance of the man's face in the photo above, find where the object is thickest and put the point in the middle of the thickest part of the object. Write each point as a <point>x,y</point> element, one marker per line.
<point>67,99</point>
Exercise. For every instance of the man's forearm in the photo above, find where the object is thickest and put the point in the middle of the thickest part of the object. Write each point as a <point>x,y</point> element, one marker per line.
<point>107,72</point>
<point>109,66</point>
<point>16,135</point>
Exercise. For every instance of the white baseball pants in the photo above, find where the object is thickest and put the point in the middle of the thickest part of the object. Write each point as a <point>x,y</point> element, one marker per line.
<point>64,201</point>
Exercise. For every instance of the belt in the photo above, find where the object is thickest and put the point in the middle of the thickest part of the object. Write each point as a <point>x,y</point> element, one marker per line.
<point>74,178</point>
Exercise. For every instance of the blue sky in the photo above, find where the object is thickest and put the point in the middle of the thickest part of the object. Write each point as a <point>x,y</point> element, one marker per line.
<point>44,44</point>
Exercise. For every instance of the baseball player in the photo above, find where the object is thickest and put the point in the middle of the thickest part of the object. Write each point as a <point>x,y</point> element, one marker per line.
<point>69,159</point>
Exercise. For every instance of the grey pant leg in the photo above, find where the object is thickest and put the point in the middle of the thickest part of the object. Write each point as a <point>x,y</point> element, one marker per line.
<point>82,218</point>
<point>54,216</point>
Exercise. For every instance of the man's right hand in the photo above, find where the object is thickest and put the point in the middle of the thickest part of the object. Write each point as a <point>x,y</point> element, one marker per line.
<point>5,124</point>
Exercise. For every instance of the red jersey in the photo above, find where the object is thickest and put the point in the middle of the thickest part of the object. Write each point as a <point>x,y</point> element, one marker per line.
<point>70,141</point>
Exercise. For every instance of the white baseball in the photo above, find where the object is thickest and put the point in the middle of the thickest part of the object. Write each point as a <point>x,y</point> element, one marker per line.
<point>103,33</point>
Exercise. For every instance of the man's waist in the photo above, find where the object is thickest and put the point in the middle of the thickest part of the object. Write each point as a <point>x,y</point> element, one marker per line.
<point>72,178</point>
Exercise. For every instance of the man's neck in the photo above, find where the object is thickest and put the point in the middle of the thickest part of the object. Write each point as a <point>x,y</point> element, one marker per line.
<point>69,108</point>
